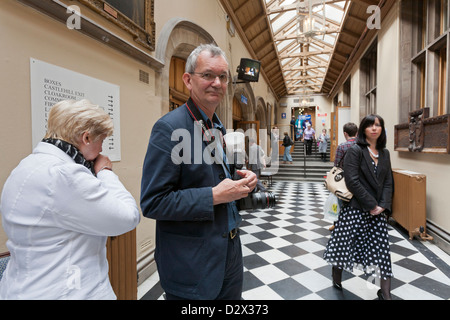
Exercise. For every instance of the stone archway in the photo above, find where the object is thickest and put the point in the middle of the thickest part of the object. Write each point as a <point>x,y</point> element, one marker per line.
<point>261,115</point>
<point>178,38</point>
<point>261,112</point>
<point>245,92</point>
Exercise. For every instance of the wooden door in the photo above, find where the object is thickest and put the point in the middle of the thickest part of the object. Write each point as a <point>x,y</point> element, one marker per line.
<point>245,125</point>
<point>178,92</point>
<point>237,113</point>
<point>122,259</point>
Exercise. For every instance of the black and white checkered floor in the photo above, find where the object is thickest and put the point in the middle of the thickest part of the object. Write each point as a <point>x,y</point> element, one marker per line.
<point>283,249</point>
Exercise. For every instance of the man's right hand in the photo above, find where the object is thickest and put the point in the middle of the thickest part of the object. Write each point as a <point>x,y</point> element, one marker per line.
<point>230,190</point>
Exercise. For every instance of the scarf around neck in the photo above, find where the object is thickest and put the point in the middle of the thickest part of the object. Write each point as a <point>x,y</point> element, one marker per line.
<point>72,152</point>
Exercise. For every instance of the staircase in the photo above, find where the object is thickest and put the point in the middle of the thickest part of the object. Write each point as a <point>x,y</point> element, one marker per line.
<point>311,169</point>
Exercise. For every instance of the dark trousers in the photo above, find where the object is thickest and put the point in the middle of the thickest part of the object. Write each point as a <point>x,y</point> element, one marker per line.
<point>234,273</point>
<point>309,146</point>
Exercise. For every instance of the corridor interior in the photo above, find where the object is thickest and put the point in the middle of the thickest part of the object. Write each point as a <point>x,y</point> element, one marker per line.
<point>283,249</point>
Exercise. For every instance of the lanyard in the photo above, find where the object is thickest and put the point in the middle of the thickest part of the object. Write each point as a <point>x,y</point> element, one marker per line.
<point>205,128</point>
<point>207,133</point>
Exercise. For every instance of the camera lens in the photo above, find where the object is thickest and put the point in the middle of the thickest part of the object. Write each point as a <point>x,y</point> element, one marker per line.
<point>263,200</point>
<point>258,200</point>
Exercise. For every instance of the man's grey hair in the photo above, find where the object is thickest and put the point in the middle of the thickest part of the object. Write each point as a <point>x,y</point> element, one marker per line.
<point>191,63</point>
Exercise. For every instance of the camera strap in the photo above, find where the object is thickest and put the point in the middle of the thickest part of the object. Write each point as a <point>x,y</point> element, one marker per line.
<point>195,113</point>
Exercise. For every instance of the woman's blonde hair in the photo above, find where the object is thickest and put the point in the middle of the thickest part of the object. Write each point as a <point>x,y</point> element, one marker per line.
<point>69,119</point>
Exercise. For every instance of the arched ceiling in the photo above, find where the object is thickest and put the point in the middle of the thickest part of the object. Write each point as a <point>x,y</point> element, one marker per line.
<point>305,46</point>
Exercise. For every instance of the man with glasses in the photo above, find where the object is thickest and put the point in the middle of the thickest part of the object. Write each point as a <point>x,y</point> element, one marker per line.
<point>198,250</point>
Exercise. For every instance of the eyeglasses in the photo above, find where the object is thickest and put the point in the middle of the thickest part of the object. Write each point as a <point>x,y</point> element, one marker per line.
<point>210,77</point>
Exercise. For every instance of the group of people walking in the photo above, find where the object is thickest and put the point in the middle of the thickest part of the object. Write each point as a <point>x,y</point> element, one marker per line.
<point>61,203</point>
<point>309,137</point>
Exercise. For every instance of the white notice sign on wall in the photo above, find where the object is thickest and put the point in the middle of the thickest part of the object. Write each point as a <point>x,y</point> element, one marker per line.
<point>51,84</point>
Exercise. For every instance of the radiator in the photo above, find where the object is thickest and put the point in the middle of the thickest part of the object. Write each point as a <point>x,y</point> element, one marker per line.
<point>409,202</point>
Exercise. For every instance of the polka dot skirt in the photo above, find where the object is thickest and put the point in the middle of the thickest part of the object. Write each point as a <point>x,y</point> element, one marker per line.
<point>360,240</point>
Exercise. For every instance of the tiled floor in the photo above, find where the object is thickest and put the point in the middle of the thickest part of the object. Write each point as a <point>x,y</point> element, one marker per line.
<point>283,249</point>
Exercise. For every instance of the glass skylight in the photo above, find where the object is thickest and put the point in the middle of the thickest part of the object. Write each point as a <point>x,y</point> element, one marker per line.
<point>299,45</point>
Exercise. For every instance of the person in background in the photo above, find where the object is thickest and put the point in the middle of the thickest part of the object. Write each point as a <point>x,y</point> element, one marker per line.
<point>287,144</point>
<point>256,158</point>
<point>293,128</point>
<point>58,207</point>
<point>274,137</point>
<point>350,130</point>
<point>361,237</point>
<point>299,123</point>
<point>198,248</point>
<point>323,144</point>
<point>309,135</point>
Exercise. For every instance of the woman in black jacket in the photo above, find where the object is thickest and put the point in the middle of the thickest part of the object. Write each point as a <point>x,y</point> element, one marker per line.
<point>360,237</point>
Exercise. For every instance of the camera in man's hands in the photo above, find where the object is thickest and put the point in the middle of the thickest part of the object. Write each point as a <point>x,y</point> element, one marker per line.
<point>259,198</point>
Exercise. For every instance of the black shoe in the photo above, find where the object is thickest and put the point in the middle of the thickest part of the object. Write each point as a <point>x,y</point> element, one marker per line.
<point>381,295</point>
<point>385,288</point>
<point>337,285</point>
<point>337,276</point>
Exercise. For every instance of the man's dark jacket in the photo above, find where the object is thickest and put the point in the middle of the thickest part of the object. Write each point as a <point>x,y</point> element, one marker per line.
<point>191,233</point>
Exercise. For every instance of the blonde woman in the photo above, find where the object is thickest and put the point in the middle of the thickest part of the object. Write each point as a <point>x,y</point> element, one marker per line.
<point>58,207</point>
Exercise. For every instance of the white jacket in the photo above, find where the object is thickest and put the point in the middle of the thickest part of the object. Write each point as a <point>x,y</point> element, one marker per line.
<point>57,216</point>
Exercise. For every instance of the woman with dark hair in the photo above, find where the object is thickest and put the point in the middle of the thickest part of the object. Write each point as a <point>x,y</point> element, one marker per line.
<point>360,237</point>
<point>364,138</point>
